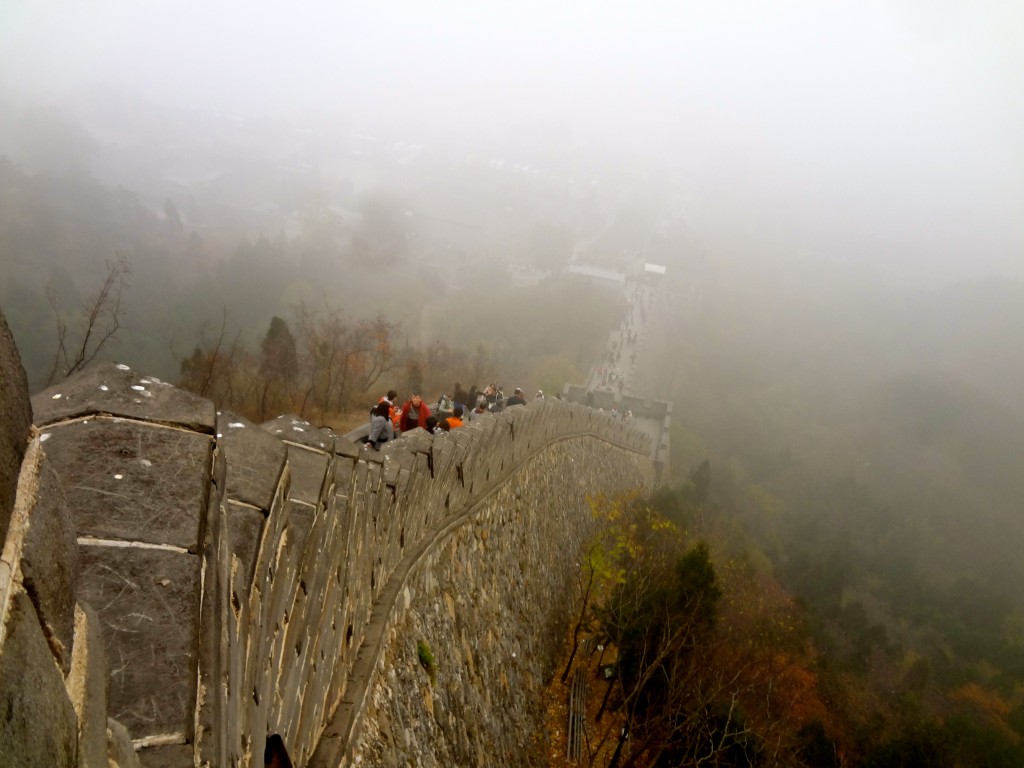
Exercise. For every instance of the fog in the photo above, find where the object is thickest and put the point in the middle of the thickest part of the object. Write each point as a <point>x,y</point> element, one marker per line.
<point>835,188</point>
<point>887,132</point>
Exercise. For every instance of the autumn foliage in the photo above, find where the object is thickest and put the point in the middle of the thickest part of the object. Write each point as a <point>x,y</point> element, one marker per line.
<point>696,661</point>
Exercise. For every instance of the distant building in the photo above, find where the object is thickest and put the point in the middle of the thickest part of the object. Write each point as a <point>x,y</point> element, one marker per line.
<point>606,277</point>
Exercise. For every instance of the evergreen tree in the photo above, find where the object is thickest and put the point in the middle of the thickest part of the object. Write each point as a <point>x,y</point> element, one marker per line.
<point>278,367</point>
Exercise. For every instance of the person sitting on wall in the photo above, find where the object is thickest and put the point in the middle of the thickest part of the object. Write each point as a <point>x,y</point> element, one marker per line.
<point>381,428</point>
<point>455,420</point>
<point>480,410</point>
<point>516,399</point>
<point>414,413</point>
<point>491,397</point>
<point>460,396</point>
<point>496,399</point>
<point>444,406</point>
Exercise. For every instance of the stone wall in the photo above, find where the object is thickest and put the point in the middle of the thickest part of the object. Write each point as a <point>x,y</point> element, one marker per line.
<point>53,669</point>
<point>247,581</point>
<point>653,416</point>
<point>390,513</point>
<point>490,602</point>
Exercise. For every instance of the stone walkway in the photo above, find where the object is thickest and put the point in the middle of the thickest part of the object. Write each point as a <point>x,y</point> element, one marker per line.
<point>613,378</point>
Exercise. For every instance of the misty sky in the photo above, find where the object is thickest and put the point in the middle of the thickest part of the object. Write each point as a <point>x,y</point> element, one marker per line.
<point>892,131</point>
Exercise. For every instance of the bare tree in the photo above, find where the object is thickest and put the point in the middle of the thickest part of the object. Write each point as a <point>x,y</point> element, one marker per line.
<point>374,350</point>
<point>210,371</point>
<point>323,368</point>
<point>338,360</point>
<point>587,578</point>
<point>101,319</point>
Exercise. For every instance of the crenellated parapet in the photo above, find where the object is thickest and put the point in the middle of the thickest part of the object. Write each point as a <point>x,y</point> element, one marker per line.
<point>205,582</point>
<point>139,465</point>
<point>53,664</point>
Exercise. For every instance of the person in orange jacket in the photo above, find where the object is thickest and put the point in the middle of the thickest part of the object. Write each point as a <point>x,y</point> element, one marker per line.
<point>394,412</point>
<point>414,413</point>
<point>455,420</point>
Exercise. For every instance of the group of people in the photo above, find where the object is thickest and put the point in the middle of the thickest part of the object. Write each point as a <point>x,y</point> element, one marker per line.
<point>387,419</point>
<point>453,410</point>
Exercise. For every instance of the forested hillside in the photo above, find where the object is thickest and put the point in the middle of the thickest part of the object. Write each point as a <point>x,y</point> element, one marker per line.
<point>864,433</point>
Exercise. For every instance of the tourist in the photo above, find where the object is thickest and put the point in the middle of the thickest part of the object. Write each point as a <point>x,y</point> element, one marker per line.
<point>414,413</point>
<point>455,420</point>
<point>381,428</point>
<point>516,399</point>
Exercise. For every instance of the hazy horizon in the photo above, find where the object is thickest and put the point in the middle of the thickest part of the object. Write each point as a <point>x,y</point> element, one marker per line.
<point>885,132</point>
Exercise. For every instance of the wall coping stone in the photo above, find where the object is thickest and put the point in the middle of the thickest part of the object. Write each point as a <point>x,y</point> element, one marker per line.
<point>114,388</point>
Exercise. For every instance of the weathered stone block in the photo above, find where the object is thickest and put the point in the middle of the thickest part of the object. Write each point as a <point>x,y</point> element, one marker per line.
<point>374,475</point>
<point>308,470</point>
<point>147,602</point>
<point>49,553</point>
<point>209,731</point>
<point>297,430</point>
<point>167,756</point>
<point>441,454</point>
<point>39,727</point>
<point>417,441</point>
<point>116,389</point>
<point>391,467</point>
<point>87,688</point>
<point>349,450</point>
<point>243,530</point>
<point>344,467</point>
<point>254,457</point>
<point>234,703</point>
<point>132,481</point>
<point>402,481</point>
<point>15,421</point>
<point>120,752</point>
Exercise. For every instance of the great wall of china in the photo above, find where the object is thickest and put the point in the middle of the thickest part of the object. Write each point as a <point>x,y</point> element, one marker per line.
<point>179,584</point>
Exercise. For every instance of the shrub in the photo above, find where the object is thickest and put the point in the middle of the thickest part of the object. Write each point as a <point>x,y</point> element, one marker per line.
<point>426,658</point>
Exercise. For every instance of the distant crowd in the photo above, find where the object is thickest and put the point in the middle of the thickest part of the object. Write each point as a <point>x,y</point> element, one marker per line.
<point>618,361</point>
<point>453,409</point>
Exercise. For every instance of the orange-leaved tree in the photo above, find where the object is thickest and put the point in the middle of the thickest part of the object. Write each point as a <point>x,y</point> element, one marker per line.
<point>709,661</point>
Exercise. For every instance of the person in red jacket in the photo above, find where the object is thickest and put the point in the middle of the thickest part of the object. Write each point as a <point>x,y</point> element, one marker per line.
<point>414,413</point>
